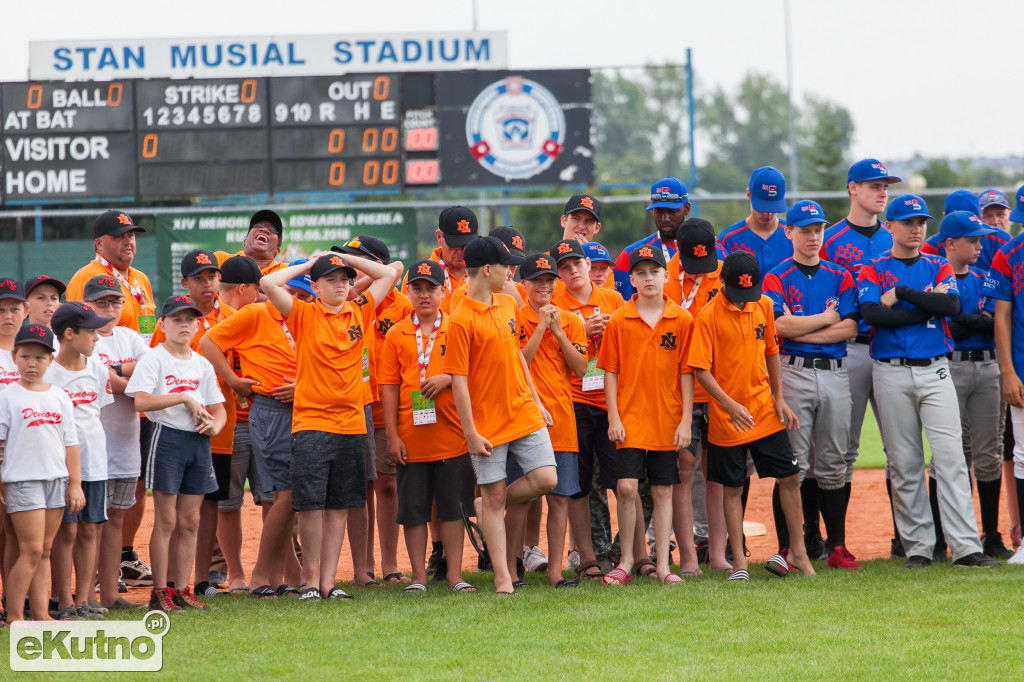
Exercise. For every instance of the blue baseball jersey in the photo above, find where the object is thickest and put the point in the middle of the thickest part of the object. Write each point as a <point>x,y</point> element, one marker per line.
<point>1006,282</point>
<point>976,297</point>
<point>990,243</point>
<point>918,341</point>
<point>847,247</point>
<point>768,252</point>
<point>621,271</point>
<point>803,295</point>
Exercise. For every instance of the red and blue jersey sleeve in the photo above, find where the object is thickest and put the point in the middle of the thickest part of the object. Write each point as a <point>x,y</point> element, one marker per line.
<point>975,299</point>
<point>1006,281</point>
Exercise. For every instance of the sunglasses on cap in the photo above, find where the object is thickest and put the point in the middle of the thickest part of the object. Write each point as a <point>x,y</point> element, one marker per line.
<point>659,198</point>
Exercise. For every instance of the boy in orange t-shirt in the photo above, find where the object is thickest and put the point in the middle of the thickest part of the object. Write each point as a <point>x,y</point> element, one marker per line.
<point>328,420</point>
<point>694,278</point>
<point>424,437</point>
<point>554,346</point>
<point>497,404</point>
<point>594,306</point>
<point>649,391</point>
<point>745,415</point>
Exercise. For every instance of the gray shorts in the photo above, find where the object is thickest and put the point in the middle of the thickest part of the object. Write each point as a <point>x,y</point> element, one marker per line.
<point>121,493</point>
<point>327,471</point>
<point>30,495</point>
<point>270,430</point>
<point>371,449</point>
<point>243,466</point>
<point>532,451</point>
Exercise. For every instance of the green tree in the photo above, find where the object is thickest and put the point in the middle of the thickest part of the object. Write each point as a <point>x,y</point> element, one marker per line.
<point>824,136</point>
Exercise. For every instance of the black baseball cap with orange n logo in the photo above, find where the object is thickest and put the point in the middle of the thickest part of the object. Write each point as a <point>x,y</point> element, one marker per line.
<point>537,265</point>
<point>114,224</point>
<point>459,226</point>
<point>742,277</point>
<point>695,240</point>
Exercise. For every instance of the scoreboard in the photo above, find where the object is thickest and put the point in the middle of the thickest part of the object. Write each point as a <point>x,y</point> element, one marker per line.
<point>228,138</point>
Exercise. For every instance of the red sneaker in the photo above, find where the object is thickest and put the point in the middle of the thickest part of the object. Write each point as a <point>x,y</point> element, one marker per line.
<point>163,600</point>
<point>841,558</point>
<point>187,600</point>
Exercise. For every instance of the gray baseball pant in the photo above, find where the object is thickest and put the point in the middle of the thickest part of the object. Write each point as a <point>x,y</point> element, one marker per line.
<point>820,398</point>
<point>910,398</point>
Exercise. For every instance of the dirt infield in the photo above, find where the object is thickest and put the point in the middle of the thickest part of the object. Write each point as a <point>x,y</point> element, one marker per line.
<point>868,530</point>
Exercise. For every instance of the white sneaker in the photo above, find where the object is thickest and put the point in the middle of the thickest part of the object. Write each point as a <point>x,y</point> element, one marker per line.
<point>573,561</point>
<point>535,560</point>
<point>1018,557</point>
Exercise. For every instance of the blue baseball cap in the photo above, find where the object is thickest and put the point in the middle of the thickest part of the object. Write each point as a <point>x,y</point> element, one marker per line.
<point>804,213</point>
<point>993,197</point>
<point>962,224</point>
<point>668,193</point>
<point>906,207</point>
<point>961,200</point>
<point>596,253</point>
<point>304,281</point>
<point>866,170</point>
<point>1017,215</point>
<point>768,190</point>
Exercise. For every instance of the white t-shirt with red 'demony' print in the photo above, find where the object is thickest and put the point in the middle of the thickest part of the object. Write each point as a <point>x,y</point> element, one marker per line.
<point>8,370</point>
<point>160,373</point>
<point>89,391</point>
<point>38,427</point>
<point>120,420</point>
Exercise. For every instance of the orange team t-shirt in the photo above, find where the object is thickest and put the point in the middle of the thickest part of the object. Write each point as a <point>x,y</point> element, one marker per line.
<point>392,310</point>
<point>222,443</point>
<point>483,345</point>
<point>329,348</point>
<point>551,374</point>
<point>460,293</point>
<point>273,267</point>
<point>400,367</point>
<point>648,362</point>
<point>608,301</point>
<point>256,336</point>
<point>710,283</point>
<point>451,284</point>
<point>139,312</point>
<point>742,339</point>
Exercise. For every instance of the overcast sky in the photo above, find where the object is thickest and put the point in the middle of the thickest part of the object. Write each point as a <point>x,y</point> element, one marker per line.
<point>937,77</point>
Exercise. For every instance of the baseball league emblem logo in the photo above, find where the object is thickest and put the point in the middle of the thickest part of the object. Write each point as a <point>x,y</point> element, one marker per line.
<point>913,203</point>
<point>745,281</point>
<point>203,259</point>
<point>645,252</point>
<point>564,248</point>
<point>107,282</point>
<point>423,269</point>
<point>8,284</point>
<point>123,219</point>
<point>38,331</point>
<point>699,251</point>
<point>463,226</point>
<point>772,190</point>
<point>515,128</point>
<point>337,261</point>
<point>517,242</point>
<point>183,299</point>
<point>543,263</point>
<point>587,202</point>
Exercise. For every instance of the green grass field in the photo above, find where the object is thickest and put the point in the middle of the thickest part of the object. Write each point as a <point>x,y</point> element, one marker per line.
<point>883,622</point>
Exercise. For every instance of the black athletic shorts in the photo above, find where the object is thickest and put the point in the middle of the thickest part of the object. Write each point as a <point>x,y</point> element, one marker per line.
<point>772,455</point>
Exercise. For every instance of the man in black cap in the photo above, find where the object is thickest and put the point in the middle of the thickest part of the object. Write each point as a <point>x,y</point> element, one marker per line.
<point>582,218</point>
<point>456,227</point>
<point>114,242</point>
<point>262,242</point>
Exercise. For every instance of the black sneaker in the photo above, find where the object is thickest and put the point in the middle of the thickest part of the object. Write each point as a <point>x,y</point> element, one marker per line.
<point>816,548</point>
<point>441,576</point>
<point>703,553</point>
<point>976,560</point>
<point>993,547</point>
<point>896,550</point>
<point>436,554</point>
<point>940,553</point>
<point>917,561</point>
